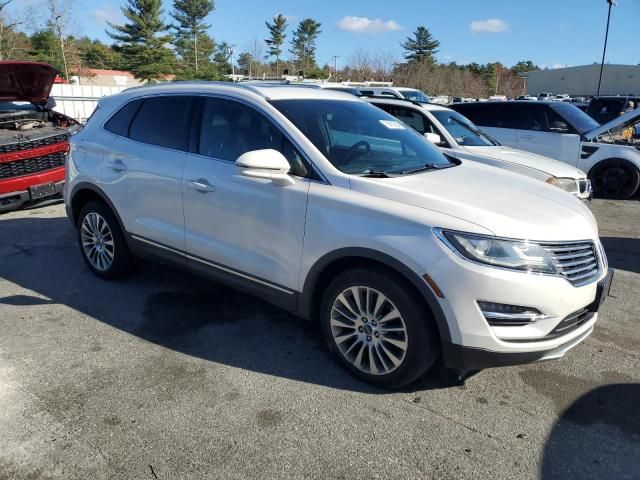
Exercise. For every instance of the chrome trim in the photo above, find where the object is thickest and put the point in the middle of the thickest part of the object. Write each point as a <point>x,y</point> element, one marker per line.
<point>214,265</point>
<point>596,246</point>
<point>516,317</point>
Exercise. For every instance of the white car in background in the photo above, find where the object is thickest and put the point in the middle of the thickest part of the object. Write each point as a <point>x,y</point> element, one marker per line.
<point>609,153</point>
<point>412,94</point>
<point>459,137</point>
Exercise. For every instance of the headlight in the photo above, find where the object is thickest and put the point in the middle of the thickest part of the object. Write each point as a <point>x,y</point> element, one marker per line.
<point>567,184</point>
<point>515,254</point>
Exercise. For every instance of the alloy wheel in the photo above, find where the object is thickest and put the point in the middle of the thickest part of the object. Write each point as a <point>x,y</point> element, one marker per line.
<point>369,330</point>
<point>97,241</point>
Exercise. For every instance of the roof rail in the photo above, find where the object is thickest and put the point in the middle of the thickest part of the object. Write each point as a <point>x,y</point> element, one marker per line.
<point>389,97</point>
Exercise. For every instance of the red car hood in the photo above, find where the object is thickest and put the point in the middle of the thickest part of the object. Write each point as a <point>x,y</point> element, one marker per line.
<point>26,81</point>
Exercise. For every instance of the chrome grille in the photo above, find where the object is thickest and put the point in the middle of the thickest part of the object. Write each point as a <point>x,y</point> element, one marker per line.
<point>577,262</point>
<point>29,144</point>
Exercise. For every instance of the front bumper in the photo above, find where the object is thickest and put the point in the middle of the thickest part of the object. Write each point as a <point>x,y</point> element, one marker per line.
<point>16,191</point>
<point>467,359</point>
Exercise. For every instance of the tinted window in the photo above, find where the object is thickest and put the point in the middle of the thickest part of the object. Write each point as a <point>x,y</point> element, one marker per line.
<point>575,117</point>
<point>415,95</point>
<point>119,123</point>
<point>162,121</point>
<point>414,119</point>
<point>229,129</point>
<point>358,138</point>
<point>497,115</point>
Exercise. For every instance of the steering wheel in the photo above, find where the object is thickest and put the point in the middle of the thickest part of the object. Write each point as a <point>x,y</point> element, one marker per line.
<point>353,149</point>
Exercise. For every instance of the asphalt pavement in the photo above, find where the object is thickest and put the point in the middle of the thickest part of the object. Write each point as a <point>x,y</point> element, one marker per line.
<point>167,376</point>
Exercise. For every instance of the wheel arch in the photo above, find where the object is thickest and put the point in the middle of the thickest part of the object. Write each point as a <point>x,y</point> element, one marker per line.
<point>84,193</point>
<point>331,263</point>
<point>635,163</point>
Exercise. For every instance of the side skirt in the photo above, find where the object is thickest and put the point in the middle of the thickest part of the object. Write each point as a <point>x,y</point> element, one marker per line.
<point>278,295</point>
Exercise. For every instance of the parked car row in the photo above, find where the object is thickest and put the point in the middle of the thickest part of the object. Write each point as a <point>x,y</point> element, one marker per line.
<point>606,152</point>
<point>339,210</point>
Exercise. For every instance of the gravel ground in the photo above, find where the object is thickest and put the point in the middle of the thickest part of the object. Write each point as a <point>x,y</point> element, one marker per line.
<point>166,376</point>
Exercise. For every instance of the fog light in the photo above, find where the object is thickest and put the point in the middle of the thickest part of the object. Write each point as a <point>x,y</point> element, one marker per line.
<point>500,314</point>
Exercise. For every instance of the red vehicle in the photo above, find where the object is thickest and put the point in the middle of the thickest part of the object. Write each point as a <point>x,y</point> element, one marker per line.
<point>34,139</point>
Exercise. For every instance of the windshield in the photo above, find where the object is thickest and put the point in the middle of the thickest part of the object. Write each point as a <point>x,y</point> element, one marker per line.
<point>462,130</point>
<point>358,138</point>
<point>575,117</point>
<point>10,106</point>
<point>415,96</point>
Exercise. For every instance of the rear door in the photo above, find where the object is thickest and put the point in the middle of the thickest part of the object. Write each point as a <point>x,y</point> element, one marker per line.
<point>142,172</point>
<point>543,131</point>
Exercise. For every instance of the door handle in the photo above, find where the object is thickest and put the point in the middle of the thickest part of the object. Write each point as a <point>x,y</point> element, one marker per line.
<point>201,185</point>
<point>117,165</point>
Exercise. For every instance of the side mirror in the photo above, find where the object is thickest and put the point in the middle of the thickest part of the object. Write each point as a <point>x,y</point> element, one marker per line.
<point>267,164</point>
<point>558,126</point>
<point>433,138</point>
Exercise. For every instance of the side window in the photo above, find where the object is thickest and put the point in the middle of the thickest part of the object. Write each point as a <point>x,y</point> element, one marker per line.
<point>489,115</point>
<point>162,121</point>
<point>414,119</point>
<point>556,123</point>
<point>119,123</point>
<point>228,129</point>
<point>530,117</point>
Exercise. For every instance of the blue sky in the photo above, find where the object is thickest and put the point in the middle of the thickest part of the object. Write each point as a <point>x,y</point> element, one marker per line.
<point>550,32</point>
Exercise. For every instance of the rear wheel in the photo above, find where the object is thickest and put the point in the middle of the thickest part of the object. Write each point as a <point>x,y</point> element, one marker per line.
<point>377,328</point>
<point>102,243</point>
<point>616,179</point>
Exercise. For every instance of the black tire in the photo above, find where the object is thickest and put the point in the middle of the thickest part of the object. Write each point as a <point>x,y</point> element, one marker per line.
<point>616,179</point>
<point>120,263</point>
<point>420,331</point>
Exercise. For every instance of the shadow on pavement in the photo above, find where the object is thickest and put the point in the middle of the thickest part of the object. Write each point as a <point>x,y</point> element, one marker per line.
<point>623,253</point>
<point>596,437</point>
<point>173,309</point>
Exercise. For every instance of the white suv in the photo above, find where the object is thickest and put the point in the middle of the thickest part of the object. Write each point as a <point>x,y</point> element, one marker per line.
<point>332,209</point>
<point>458,137</point>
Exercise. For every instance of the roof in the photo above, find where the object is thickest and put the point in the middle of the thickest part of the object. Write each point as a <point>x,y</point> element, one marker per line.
<point>246,90</point>
<point>99,71</point>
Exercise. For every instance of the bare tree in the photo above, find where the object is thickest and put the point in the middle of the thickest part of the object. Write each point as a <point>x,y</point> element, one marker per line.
<point>7,34</point>
<point>59,13</point>
<point>360,65</point>
<point>382,64</point>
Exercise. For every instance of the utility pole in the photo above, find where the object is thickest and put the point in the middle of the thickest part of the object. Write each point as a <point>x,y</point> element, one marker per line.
<point>606,38</point>
<point>64,58</point>
<point>230,52</point>
<point>335,64</point>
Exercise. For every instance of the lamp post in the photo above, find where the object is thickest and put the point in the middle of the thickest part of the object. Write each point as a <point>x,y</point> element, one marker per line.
<point>606,38</point>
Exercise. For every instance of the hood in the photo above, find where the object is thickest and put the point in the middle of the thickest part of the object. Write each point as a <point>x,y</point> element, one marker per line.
<point>544,165</point>
<point>628,118</point>
<point>26,81</point>
<point>508,204</point>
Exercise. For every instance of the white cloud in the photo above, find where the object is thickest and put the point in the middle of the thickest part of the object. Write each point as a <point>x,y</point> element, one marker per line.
<point>491,25</point>
<point>366,25</point>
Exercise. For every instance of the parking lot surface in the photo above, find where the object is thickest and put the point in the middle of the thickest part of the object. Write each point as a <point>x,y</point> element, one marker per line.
<point>164,375</point>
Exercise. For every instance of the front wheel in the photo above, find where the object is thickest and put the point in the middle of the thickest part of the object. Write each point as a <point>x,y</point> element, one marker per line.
<point>102,243</point>
<point>378,328</point>
<point>617,179</point>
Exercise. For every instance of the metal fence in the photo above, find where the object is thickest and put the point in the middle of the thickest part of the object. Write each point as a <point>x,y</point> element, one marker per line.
<point>79,101</point>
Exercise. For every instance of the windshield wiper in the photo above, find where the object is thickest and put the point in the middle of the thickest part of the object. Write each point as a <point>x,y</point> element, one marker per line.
<point>370,173</point>
<point>424,168</point>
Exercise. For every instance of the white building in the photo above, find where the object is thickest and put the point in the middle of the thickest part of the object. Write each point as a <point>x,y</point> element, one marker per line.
<point>583,80</point>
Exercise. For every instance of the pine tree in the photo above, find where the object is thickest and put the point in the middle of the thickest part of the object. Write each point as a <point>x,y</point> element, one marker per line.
<point>141,40</point>
<point>303,44</point>
<point>276,38</point>
<point>192,42</point>
<point>421,46</point>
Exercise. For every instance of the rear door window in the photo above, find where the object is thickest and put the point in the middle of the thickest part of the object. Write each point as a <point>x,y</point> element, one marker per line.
<point>162,121</point>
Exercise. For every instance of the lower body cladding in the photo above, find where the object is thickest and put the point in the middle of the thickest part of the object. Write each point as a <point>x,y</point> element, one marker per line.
<point>500,317</point>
